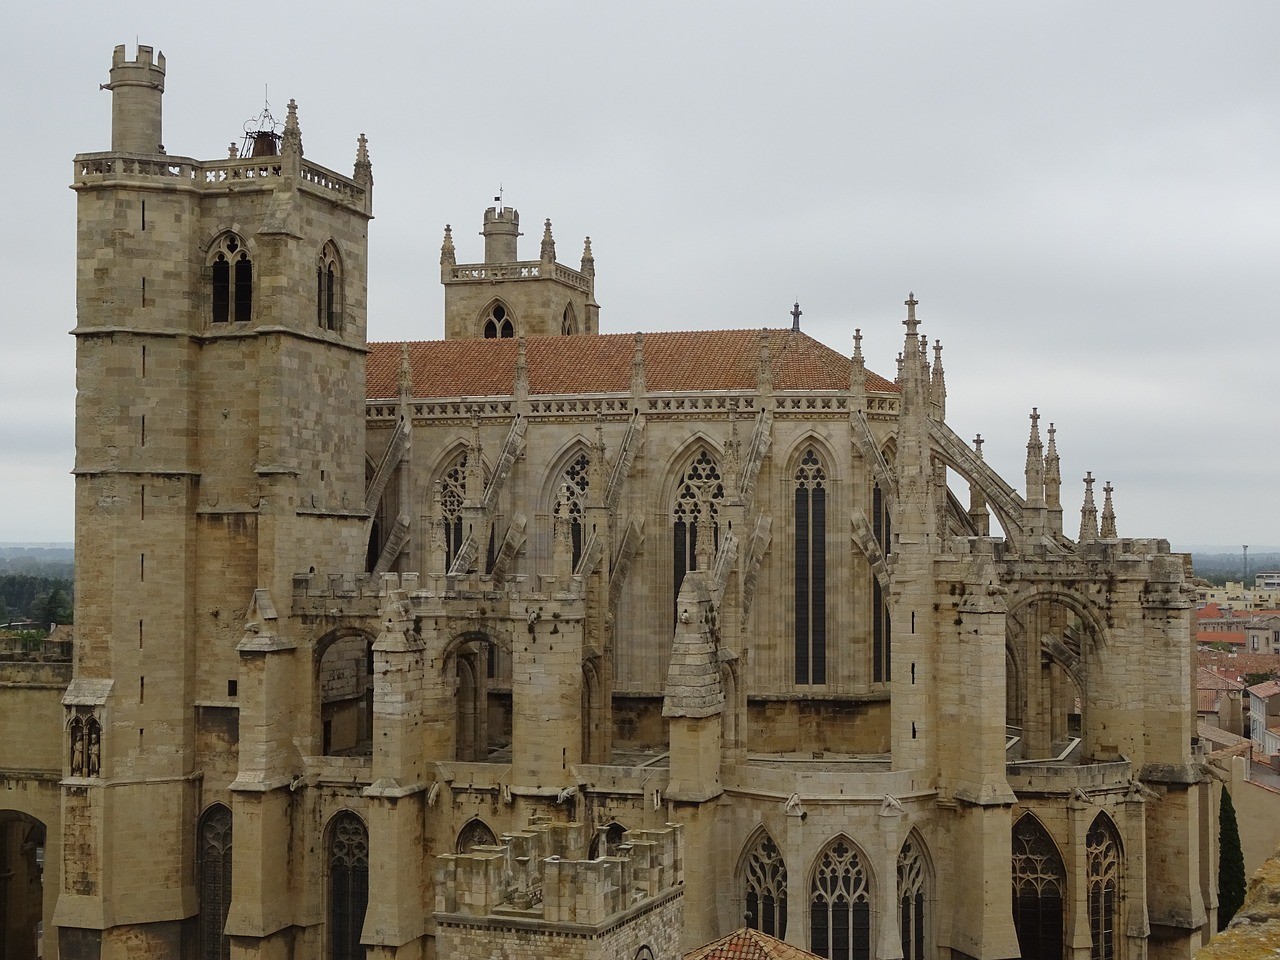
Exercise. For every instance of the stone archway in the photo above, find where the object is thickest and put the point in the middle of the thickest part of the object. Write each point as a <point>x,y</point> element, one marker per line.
<point>1053,637</point>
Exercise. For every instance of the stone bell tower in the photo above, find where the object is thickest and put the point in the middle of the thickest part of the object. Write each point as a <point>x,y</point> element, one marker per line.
<point>508,297</point>
<point>219,451</point>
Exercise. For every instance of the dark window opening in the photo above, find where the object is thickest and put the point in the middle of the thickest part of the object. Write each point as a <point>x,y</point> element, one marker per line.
<point>348,886</point>
<point>244,288</point>
<point>213,870</point>
<point>221,289</point>
<point>810,590</point>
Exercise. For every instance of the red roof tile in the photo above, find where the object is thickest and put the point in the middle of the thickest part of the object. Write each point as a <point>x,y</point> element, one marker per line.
<point>1265,690</point>
<point>1233,637</point>
<point>1236,665</point>
<point>684,361</point>
<point>1207,679</point>
<point>747,944</point>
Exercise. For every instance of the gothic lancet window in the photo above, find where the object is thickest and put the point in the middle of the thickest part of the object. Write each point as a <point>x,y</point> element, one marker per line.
<point>329,289</point>
<point>1103,850</point>
<point>695,513</point>
<point>840,904</point>
<point>574,483</point>
<point>348,885</point>
<point>811,570</point>
<point>1039,883</point>
<point>453,491</point>
<point>213,875</point>
<point>231,281</point>
<point>497,323</point>
<point>765,882</point>
<point>912,898</point>
<point>881,631</point>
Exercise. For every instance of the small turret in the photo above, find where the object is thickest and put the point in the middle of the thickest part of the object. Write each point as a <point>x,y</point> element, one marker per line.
<point>501,230</point>
<point>136,89</point>
<point>1035,463</point>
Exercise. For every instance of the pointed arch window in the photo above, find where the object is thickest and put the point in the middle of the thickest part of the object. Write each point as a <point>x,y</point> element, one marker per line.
<point>213,873</point>
<point>764,879</point>
<point>348,885</point>
<point>913,898</point>
<point>1102,847</point>
<point>572,497</point>
<point>497,323</point>
<point>1039,883</point>
<point>881,628</point>
<point>453,492</point>
<point>811,570</point>
<point>231,281</point>
<point>694,514</point>
<point>568,322</point>
<point>329,289</point>
<point>475,833</point>
<point>840,904</point>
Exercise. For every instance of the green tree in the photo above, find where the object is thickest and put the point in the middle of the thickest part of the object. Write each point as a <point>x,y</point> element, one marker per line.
<point>56,608</point>
<point>1230,862</point>
<point>1262,676</point>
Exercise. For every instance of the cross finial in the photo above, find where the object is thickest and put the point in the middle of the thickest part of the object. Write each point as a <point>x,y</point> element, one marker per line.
<point>1035,416</point>
<point>910,323</point>
<point>795,316</point>
<point>977,444</point>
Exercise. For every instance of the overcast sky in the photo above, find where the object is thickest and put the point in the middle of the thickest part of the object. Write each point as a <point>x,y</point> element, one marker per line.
<point>1085,198</point>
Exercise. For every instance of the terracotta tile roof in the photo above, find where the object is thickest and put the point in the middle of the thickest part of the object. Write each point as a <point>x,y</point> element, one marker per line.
<point>686,361</point>
<point>1218,736</point>
<point>1207,700</point>
<point>1234,637</point>
<point>1207,679</point>
<point>1236,665</point>
<point>747,944</point>
<point>1265,690</point>
<point>1210,611</point>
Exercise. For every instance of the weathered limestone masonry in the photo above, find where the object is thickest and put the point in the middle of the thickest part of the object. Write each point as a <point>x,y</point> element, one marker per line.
<point>538,895</point>
<point>681,630</point>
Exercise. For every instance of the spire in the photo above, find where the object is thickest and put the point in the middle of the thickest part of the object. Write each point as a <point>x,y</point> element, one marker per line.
<point>548,243</point>
<point>637,367</point>
<point>911,323</point>
<point>939,382</point>
<point>588,261</point>
<point>363,168</point>
<point>898,378</point>
<point>858,372</point>
<point>1108,530</point>
<point>1088,512</point>
<point>1035,463</point>
<point>764,371</point>
<point>448,256</point>
<point>406,373</point>
<point>796,314</point>
<point>292,139</point>
<point>522,370</point>
<point>1053,483</point>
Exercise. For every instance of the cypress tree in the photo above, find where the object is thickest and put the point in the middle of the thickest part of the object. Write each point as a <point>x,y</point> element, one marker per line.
<point>1230,862</point>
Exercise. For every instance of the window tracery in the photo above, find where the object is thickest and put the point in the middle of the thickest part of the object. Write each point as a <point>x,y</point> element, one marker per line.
<point>1039,883</point>
<point>213,871</point>
<point>453,493</point>
<point>696,509</point>
<point>497,323</point>
<point>329,289</point>
<point>912,898</point>
<point>810,593</point>
<point>572,497</point>
<point>840,904</point>
<point>1102,847</point>
<point>348,885</point>
<point>232,280</point>
<point>765,883</point>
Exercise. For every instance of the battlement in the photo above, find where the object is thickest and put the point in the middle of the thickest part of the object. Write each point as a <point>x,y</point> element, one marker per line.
<point>144,60</point>
<point>541,876</point>
<point>517,270</point>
